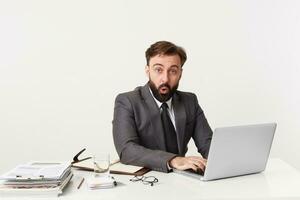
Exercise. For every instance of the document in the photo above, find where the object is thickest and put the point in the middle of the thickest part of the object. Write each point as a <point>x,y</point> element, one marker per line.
<point>116,167</point>
<point>36,171</point>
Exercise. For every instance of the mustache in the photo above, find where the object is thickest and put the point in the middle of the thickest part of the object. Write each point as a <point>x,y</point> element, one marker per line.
<point>164,85</point>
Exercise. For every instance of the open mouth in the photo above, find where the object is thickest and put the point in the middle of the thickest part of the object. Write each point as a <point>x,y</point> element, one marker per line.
<point>164,90</point>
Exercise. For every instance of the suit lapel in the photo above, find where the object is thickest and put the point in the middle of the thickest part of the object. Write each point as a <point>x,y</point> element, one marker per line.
<point>180,120</point>
<point>155,119</point>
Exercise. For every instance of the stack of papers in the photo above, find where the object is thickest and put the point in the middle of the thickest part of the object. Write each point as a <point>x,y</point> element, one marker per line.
<point>36,178</point>
<point>101,182</point>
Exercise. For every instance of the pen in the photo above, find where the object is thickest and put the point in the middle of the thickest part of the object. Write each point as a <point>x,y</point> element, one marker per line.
<point>80,183</point>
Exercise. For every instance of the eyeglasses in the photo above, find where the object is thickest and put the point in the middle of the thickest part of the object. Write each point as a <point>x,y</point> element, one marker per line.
<point>147,180</point>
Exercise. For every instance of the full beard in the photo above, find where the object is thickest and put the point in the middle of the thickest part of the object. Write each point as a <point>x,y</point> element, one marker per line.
<point>162,97</point>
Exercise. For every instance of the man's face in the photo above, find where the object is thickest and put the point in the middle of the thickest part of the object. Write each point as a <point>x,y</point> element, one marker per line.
<point>164,72</point>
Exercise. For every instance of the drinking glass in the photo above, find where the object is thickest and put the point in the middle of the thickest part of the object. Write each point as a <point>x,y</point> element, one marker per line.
<point>101,165</point>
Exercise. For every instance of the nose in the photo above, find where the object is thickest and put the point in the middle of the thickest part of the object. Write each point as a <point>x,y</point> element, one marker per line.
<point>164,77</point>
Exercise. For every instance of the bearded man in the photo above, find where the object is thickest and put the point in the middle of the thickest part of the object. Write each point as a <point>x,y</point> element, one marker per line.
<point>153,124</point>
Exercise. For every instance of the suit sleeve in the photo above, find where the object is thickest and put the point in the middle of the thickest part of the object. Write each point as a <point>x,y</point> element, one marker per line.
<point>202,132</point>
<point>127,141</point>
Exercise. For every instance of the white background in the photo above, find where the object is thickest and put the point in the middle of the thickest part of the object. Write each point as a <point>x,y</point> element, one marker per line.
<point>62,63</point>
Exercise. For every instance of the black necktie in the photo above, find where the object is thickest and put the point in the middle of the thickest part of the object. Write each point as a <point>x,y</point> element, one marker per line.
<point>169,130</point>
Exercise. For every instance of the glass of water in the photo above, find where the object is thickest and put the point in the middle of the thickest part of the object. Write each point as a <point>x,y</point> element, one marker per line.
<point>101,165</point>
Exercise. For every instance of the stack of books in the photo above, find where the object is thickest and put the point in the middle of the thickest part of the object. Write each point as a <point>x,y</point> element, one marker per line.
<point>36,179</point>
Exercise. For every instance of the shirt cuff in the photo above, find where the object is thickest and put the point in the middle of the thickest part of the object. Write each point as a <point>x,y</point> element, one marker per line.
<point>170,169</point>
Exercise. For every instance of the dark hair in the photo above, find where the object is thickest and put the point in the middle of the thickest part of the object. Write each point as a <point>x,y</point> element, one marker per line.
<point>165,48</point>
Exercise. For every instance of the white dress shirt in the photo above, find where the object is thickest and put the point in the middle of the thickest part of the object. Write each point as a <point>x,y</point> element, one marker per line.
<point>170,108</point>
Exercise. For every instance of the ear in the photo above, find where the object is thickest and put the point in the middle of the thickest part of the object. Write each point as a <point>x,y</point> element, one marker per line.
<point>147,70</point>
<point>180,73</point>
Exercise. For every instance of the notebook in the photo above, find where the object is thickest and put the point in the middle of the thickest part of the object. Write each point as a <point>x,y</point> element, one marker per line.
<point>116,167</point>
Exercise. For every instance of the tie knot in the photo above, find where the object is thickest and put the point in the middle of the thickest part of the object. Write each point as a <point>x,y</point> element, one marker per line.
<point>164,106</point>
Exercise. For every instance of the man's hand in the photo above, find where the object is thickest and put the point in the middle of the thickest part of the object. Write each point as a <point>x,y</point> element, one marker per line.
<point>189,162</point>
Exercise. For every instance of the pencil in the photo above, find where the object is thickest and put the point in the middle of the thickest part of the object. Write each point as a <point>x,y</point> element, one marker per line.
<point>80,183</point>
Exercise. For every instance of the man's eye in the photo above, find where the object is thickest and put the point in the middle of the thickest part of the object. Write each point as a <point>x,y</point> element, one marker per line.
<point>173,71</point>
<point>158,70</point>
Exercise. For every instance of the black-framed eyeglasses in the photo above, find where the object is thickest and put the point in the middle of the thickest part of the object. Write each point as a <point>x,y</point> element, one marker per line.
<point>147,180</point>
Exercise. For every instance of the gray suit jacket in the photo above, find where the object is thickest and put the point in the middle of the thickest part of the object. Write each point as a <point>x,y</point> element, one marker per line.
<point>138,132</point>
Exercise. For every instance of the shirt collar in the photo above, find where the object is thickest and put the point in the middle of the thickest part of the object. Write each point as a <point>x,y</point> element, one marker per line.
<point>169,102</point>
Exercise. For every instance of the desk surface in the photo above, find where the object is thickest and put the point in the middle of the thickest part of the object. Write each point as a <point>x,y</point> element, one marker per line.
<point>278,181</point>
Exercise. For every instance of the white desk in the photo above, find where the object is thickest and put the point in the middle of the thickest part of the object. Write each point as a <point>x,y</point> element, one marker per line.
<point>279,181</point>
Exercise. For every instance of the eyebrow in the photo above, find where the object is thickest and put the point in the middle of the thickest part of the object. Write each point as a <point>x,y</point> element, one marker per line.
<point>158,64</point>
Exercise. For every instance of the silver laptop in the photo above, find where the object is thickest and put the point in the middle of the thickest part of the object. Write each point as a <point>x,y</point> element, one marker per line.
<point>236,151</point>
